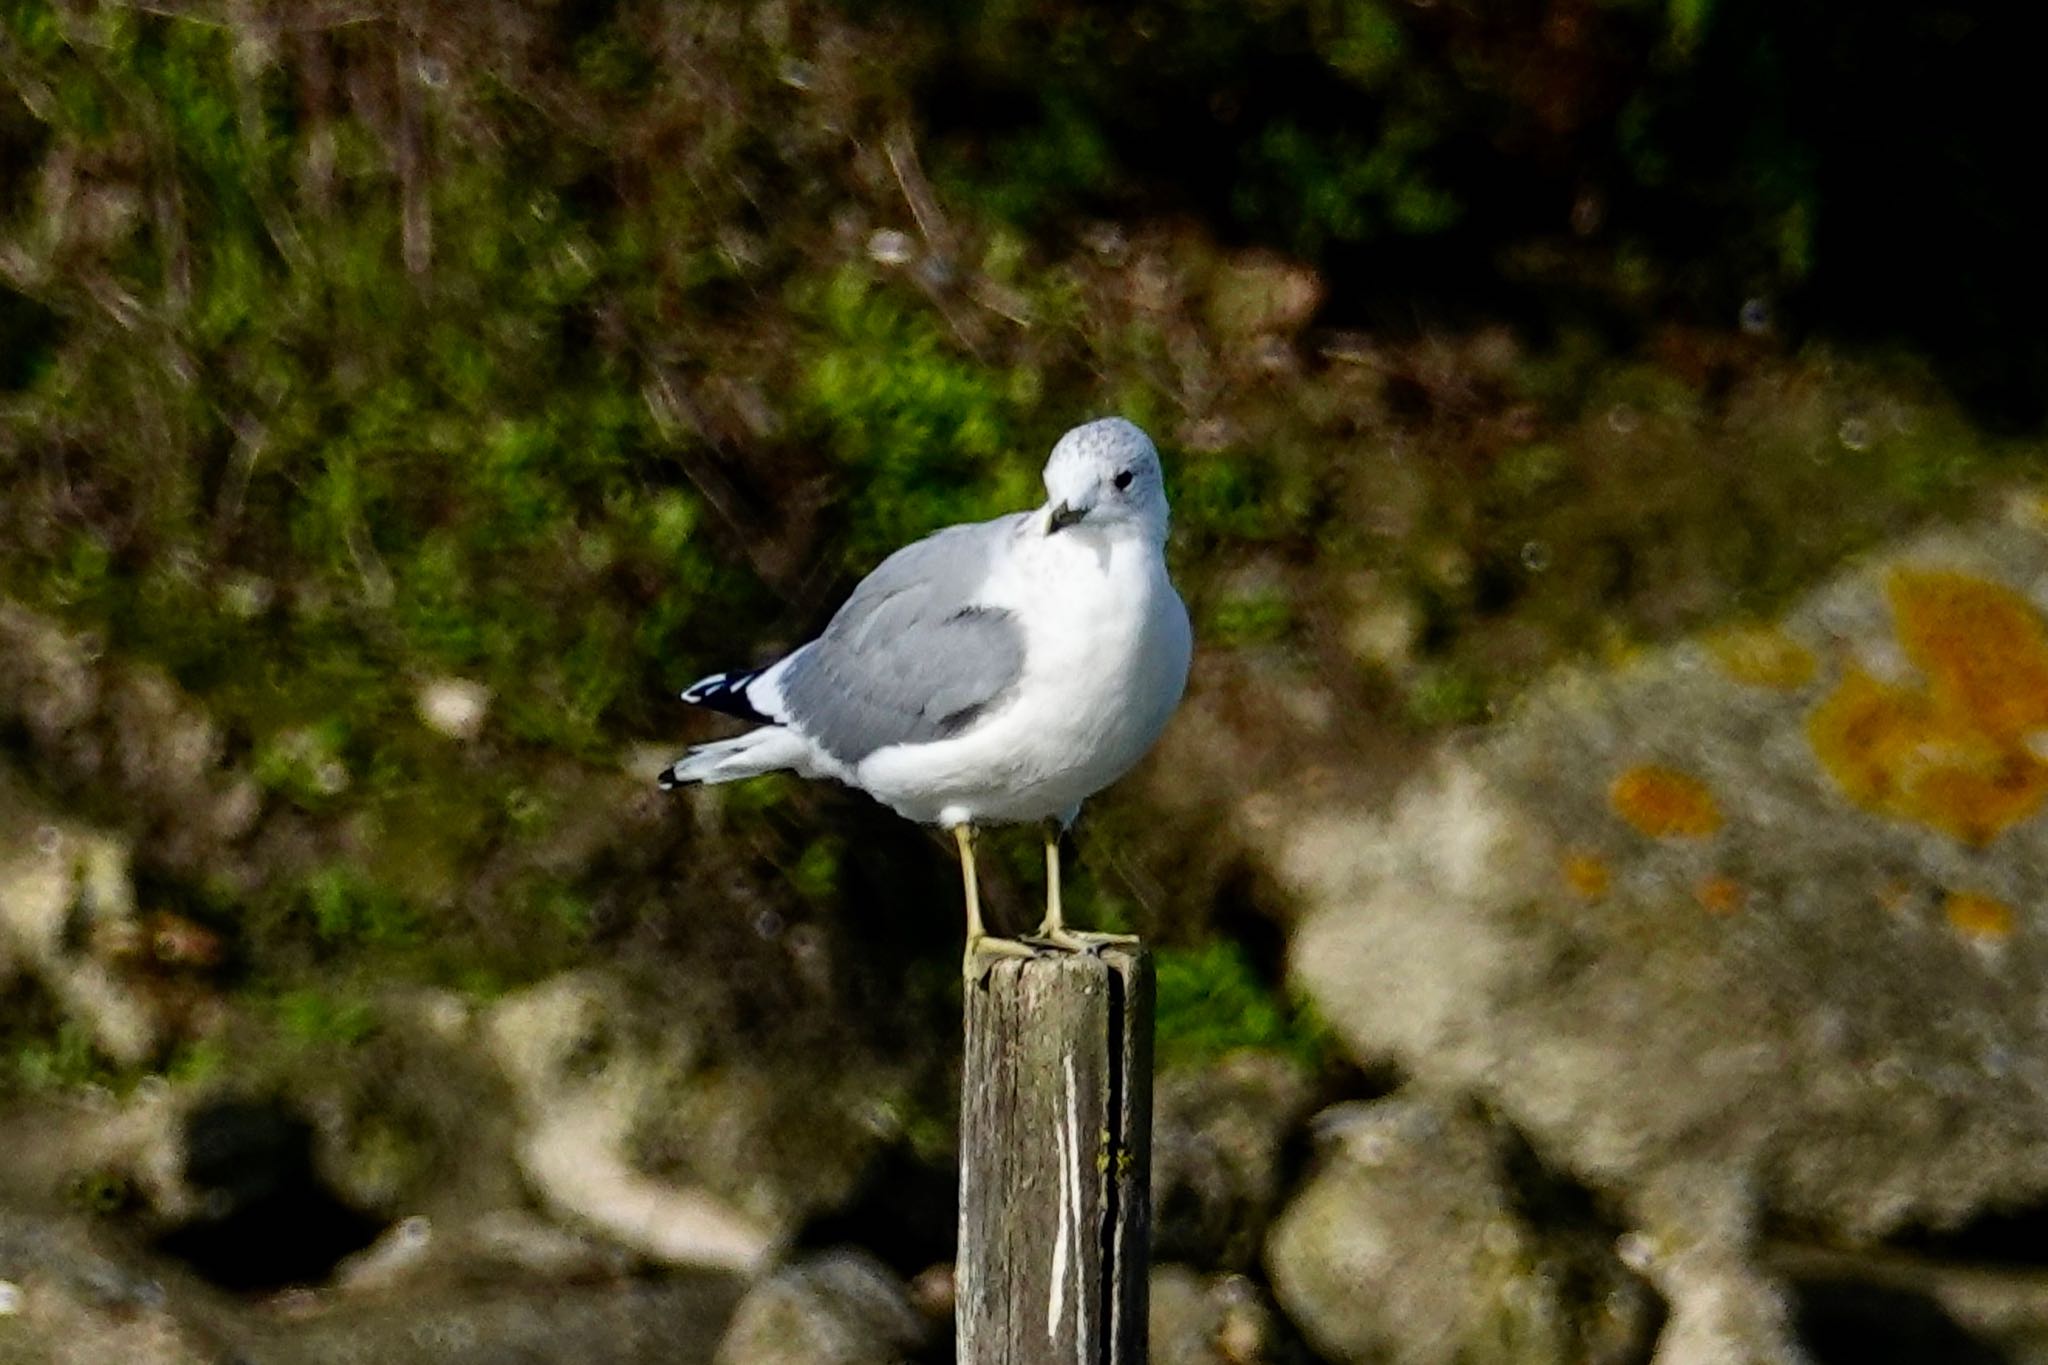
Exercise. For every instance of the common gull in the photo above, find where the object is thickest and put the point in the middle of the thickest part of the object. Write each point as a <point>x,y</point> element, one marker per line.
<point>993,673</point>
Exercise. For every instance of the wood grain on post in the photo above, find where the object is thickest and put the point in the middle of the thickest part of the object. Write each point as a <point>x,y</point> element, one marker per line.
<point>1056,1161</point>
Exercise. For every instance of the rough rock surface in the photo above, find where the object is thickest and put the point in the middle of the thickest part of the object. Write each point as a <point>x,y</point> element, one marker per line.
<point>1752,927</point>
<point>67,1303</point>
<point>1212,1320</point>
<point>75,1302</point>
<point>837,1308</point>
<point>627,1128</point>
<point>1412,1244</point>
<point>1219,1134</point>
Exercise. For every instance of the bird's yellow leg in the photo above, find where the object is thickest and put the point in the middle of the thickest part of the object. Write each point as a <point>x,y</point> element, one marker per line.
<point>980,944</point>
<point>1055,930</point>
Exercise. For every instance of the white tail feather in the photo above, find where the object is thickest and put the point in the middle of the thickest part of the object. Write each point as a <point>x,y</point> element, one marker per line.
<point>769,749</point>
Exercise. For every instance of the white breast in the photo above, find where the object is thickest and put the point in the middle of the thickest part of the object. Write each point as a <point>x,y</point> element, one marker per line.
<point>1107,646</point>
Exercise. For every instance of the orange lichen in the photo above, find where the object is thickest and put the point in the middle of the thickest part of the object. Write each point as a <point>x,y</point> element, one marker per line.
<point>1587,875</point>
<point>1979,916</point>
<point>1983,647</point>
<point>1664,803</point>
<point>1763,657</point>
<point>1954,754</point>
<point>1721,895</point>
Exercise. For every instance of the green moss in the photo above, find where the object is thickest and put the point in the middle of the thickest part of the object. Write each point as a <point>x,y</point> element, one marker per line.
<point>314,1018</point>
<point>561,907</point>
<point>1336,186</point>
<point>1248,618</point>
<point>346,910</point>
<point>1445,695</point>
<point>1061,159</point>
<point>816,872</point>
<point>197,1063</point>
<point>306,764</point>
<point>1212,1002</point>
<point>62,1059</point>
<point>930,437</point>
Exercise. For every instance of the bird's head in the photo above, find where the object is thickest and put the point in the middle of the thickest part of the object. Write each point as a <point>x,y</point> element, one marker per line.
<point>1105,473</point>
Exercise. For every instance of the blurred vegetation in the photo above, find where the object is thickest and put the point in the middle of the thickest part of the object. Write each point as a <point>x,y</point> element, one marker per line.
<point>574,350</point>
<point>1212,1001</point>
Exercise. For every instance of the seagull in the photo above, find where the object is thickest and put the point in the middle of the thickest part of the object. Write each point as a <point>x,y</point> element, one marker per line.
<point>1000,672</point>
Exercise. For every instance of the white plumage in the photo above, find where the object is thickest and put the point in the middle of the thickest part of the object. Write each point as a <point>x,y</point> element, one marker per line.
<point>1004,671</point>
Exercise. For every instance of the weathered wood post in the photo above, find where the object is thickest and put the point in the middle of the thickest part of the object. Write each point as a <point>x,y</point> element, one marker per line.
<point>1056,1161</point>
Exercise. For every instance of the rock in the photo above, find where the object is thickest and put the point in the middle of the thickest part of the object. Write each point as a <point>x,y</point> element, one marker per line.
<point>887,246</point>
<point>671,1320</point>
<point>78,1302</point>
<point>455,707</point>
<point>1410,1245</point>
<point>516,1241</point>
<point>1726,1307</point>
<point>580,1094</point>
<point>93,721</point>
<point>64,1302</point>
<point>53,1324</point>
<point>1920,1308</point>
<point>1748,928</point>
<point>1384,625</point>
<point>66,903</point>
<point>393,1259</point>
<point>1220,1320</point>
<point>640,1121</point>
<point>1218,1134</point>
<point>839,1308</point>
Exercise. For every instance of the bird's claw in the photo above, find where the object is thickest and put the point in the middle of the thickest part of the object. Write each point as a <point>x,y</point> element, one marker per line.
<point>983,953</point>
<point>1080,940</point>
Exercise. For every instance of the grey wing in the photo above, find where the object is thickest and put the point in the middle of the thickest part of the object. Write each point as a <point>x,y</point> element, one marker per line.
<point>912,657</point>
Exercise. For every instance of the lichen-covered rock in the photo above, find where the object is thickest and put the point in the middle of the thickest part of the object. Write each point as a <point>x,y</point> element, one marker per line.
<point>1218,1135</point>
<point>839,1308</point>
<point>1411,1245</point>
<point>1757,918</point>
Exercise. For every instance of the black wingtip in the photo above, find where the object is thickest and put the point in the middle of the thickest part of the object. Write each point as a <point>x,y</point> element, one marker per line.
<point>726,693</point>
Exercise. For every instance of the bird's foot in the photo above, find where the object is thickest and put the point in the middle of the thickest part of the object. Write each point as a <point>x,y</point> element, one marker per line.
<point>1080,940</point>
<point>985,950</point>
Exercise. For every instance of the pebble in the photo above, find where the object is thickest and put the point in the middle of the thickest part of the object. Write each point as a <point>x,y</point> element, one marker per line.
<point>455,707</point>
<point>887,246</point>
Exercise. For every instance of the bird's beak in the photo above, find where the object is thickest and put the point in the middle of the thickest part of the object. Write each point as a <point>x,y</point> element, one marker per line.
<point>1062,516</point>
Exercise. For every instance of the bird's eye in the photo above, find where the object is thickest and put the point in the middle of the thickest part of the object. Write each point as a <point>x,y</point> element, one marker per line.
<point>1123,480</point>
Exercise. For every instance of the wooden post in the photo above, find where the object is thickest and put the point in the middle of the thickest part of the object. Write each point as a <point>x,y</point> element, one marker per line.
<point>1056,1161</point>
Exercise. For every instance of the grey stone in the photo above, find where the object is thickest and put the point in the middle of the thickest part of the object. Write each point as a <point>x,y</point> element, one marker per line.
<point>67,911</point>
<point>1218,1134</point>
<point>842,1307</point>
<point>1211,1320</point>
<point>1411,1245</point>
